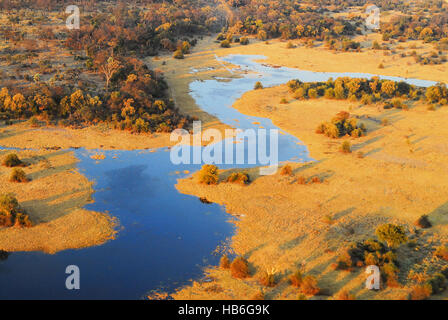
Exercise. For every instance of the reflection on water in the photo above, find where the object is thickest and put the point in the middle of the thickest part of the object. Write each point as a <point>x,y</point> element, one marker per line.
<point>165,237</point>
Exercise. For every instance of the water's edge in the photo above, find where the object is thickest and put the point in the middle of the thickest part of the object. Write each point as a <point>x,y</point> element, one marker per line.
<point>167,237</point>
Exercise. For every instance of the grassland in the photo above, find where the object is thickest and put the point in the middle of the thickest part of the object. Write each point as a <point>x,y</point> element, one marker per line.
<point>54,199</point>
<point>394,174</point>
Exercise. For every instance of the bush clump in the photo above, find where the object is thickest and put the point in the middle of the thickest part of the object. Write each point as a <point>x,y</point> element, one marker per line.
<point>18,175</point>
<point>12,160</point>
<point>309,286</point>
<point>267,279</point>
<point>359,254</point>
<point>258,85</point>
<point>340,126</point>
<point>11,213</point>
<point>244,41</point>
<point>239,177</point>
<point>208,174</point>
<point>225,44</point>
<point>286,170</point>
<point>392,234</point>
<point>239,268</point>
<point>224,263</point>
<point>296,278</point>
<point>178,54</point>
<point>346,147</point>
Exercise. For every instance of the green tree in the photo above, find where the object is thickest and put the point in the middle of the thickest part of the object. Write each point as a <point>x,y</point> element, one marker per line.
<point>392,234</point>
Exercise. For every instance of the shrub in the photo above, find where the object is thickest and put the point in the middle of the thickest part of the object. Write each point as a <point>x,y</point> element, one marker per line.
<point>312,93</point>
<point>344,261</point>
<point>371,259</point>
<point>392,234</point>
<point>329,93</point>
<point>316,179</point>
<point>258,85</point>
<point>225,44</point>
<point>239,268</point>
<point>185,48</point>
<point>224,263</point>
<point>296,278</point>
<point>262,35</point>
<point>244,41</point>
<point>346,147</point>
<point>268,279</point>
<point>290,45</point>
<point>208,174</point>
<point>309,286</point>
<point>366,99</point>
<point>373,245</point>
<point>423,222</point>
<point>22,220</point>
<point>220,37</point>
<point>420,292</point>
<point>33,122</point>
<point>238,177</point>
<point>12,160</point>
<point>390,272</point>
<point>10,214</point>
<point>344,295</point>
<point>283,101</point>
<point>178,54</point>
<point>286,170</point>
<point>300,94</point>
<point>381,66</point>
<point>396,103</point>
<point>301,180</point>
<point>18,175</point>
<point>341,125</point>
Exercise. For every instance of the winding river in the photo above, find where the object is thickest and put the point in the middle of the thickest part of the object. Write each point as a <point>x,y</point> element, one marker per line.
<point>166,238</point>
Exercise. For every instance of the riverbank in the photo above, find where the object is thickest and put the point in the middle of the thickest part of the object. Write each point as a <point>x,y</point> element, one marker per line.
<point>395,174</point>
<point>22,135</point>
<point>54,199</point>
<point>320,59</point>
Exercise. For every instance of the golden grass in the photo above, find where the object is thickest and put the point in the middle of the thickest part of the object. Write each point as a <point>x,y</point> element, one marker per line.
<point>21,135</point>
<point>283,222</point>
<point>53,199</point>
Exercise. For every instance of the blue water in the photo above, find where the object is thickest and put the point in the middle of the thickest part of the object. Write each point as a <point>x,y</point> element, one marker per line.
<point>165,238</point>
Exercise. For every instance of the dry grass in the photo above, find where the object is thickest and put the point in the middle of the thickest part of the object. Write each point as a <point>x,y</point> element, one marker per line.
<point>53,199</point>
<point>290,226</point>
<point>21,135</point>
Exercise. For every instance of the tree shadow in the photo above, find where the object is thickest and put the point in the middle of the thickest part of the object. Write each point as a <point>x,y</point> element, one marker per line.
<point>292,243</point>
<point>42,211</point>
<point>361,145</point>
<point>439,216</point>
